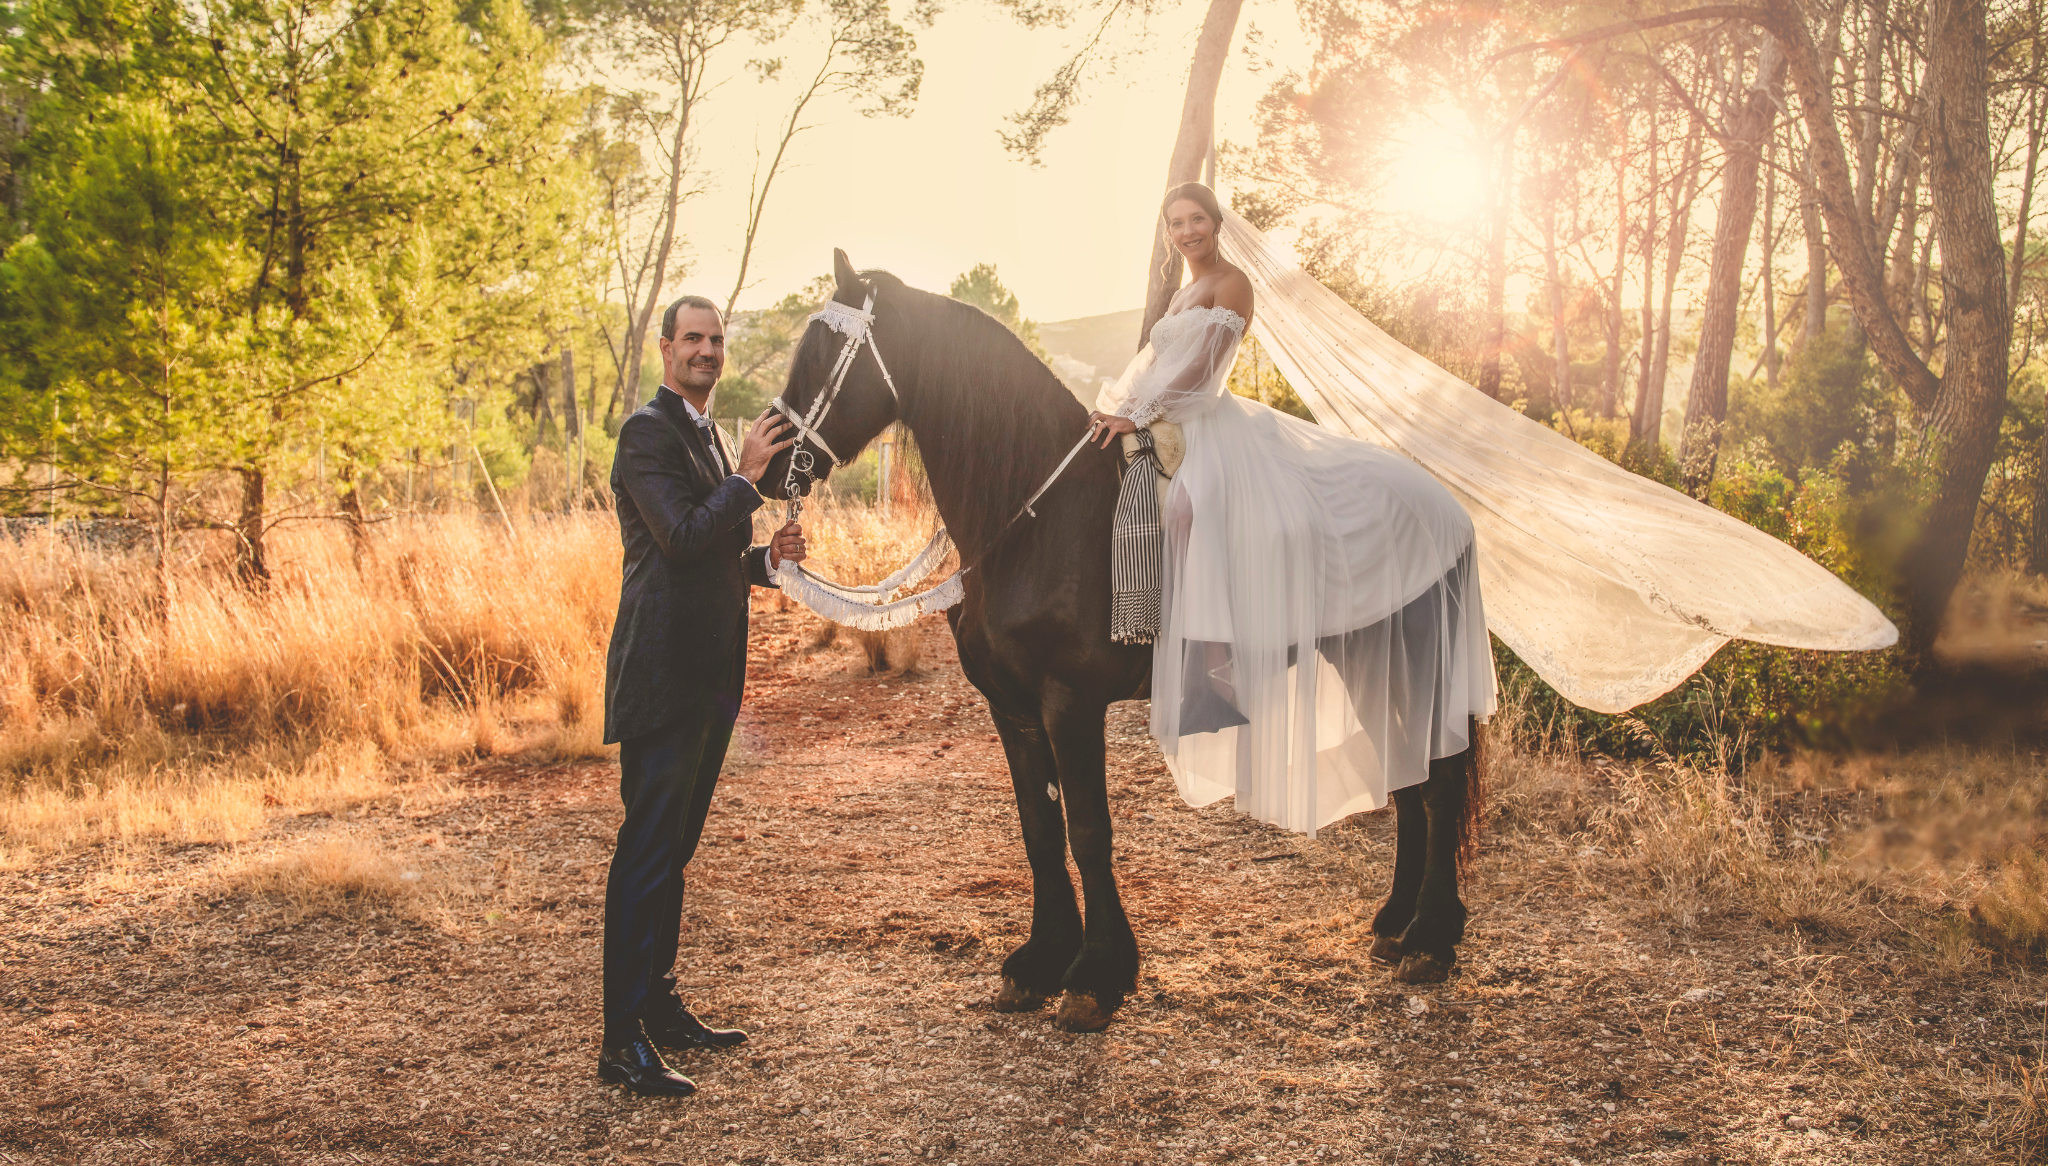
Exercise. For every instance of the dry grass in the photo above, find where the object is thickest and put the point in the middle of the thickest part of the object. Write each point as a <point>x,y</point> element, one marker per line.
<point>1816,845</point>
<point>343,876</point>
<point>2012,913</point>
<point>119,719</point>
<point>356,875</point>
<point>1995,618</point>
<point>2021,1121</point>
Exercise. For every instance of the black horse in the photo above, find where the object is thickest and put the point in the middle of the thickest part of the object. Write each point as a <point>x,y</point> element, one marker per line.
<point>991,422</point>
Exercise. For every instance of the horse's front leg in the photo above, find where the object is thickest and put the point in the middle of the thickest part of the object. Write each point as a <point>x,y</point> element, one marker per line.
<point>1032,973</point>
<point>1107,968</point>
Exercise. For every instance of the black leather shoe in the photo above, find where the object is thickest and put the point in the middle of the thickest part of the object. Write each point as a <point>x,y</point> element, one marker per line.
<point>637,1065</point>
<point>673,1027</point>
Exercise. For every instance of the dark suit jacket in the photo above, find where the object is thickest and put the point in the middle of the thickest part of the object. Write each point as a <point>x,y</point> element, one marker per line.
<point>681,635</point>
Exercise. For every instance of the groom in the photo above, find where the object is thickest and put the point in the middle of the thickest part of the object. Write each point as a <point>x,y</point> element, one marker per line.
<point>673,678</point>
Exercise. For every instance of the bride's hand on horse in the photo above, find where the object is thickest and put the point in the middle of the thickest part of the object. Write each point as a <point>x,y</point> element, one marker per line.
<point>1110,426</point>
<point>787,546</point>
<point>762,443</point>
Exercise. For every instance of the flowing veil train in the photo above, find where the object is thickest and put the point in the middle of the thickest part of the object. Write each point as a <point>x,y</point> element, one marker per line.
<point>1612,587</point>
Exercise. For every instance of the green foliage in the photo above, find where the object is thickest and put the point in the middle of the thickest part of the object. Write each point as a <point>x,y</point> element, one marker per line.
<point>2012,525</point>
<point>1255,377</point>
<point>123,313</point>
<point>327,268</point>
<point>1652,460</point>
<point>1831,399</point>
<point>980,287</point>
<point>1747,699</point>
<point>1750,486</point>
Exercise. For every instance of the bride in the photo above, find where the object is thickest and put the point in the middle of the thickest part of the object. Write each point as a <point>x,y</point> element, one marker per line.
<point>1321,637</point>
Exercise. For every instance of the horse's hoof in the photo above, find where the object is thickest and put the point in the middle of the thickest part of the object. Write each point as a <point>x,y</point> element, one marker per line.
<point>1424,968</point>
<point>1082,1012</point>
<point>1386,949</point>
<point>1015,997</point>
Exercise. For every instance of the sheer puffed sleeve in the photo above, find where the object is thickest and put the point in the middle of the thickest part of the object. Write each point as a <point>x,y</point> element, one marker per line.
<point>1182,372</point>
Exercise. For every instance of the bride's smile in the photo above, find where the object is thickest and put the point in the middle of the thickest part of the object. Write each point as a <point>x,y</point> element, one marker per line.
<point>1192,230</point>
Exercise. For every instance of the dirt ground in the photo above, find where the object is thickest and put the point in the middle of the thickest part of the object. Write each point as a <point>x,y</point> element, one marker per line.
<point>860,883</point>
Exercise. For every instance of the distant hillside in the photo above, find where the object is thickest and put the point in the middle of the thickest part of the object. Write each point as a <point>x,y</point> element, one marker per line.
<point>1092,349</point>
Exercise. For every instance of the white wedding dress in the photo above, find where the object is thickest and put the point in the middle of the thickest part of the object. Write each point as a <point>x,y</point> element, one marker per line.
<point>1321,635</point>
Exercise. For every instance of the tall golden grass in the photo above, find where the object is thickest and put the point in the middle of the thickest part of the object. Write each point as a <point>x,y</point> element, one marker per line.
<point>1813,842</point>
<point>446,639</point>
<point>122,717</point>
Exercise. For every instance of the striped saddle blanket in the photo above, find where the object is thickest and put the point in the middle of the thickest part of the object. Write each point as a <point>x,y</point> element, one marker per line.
<point>1137,547</point>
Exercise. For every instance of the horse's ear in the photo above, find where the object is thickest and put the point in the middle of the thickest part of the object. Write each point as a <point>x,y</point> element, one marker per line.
<point>847,278</point>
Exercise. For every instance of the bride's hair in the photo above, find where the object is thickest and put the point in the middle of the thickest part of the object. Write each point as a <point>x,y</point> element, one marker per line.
<point>1196,193</point>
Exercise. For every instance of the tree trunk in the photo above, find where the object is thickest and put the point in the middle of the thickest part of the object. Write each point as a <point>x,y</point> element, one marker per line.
<point>572,433</point>
<point>1976,311</point>
<point>1651,411</point>
<point>1900,273</point>
<point>163,538</point>
<point>641,320</point>
<point>1963,406</point>
<point>1197,131</point>
<point>1706,406</point>
<point>1816,256</point>
<point>1851,235</point>
<point>1646,357</point>
<point>2037,542</point>
<point>1771,267</point>
<point>1560,338</point>
<point>250,566</point>
<point>1497,268</point>
<point>2017,270</point>
<point>1610,372</point>
<point>352,509</point>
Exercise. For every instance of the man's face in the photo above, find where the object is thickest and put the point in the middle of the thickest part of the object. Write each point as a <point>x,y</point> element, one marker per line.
<point>696,356</point>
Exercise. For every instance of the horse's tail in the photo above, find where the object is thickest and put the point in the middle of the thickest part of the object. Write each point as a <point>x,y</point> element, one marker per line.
<point>1473,764</point>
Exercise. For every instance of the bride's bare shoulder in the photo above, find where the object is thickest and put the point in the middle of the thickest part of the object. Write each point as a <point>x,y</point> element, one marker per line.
<point>1234,291</point>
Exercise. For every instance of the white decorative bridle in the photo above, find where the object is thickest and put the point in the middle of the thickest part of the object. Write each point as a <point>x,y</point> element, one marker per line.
<point>875,606</point>
<point>858,326</point>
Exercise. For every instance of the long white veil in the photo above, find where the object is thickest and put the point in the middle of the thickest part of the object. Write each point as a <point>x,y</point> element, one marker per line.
<point>1612,587</point>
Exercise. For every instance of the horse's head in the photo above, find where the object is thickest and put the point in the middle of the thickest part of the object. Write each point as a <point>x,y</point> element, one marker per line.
<point>837,394</point>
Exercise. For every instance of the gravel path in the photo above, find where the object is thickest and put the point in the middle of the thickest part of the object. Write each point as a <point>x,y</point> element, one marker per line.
<point>860,883</point>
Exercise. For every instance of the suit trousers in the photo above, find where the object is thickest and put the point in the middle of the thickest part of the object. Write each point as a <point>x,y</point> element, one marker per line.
<point>666,778</point>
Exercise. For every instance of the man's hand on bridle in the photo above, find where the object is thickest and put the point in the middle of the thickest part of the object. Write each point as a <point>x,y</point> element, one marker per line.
<point>787,546</point>
<point>763,442</point>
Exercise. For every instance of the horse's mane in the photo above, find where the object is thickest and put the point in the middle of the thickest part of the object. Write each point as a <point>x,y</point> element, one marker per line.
<point>995,418</point>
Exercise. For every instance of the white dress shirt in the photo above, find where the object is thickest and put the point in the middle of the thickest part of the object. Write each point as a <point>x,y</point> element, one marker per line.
<point>706,425</point>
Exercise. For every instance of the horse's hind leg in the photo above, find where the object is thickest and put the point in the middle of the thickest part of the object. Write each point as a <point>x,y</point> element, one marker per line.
<point>1107,968</point>
<point>1411,855</point>
<point>1430,943</point>
<point>1032,973</point>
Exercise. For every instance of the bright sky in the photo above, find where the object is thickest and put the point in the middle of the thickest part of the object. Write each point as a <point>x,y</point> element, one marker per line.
<point>929,196</point>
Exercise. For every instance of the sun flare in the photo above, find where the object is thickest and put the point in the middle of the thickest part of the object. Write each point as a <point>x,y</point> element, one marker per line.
<point>1436,172</point>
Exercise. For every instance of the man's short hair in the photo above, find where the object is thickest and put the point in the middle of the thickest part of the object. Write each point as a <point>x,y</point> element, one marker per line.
<point>668,318</point>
